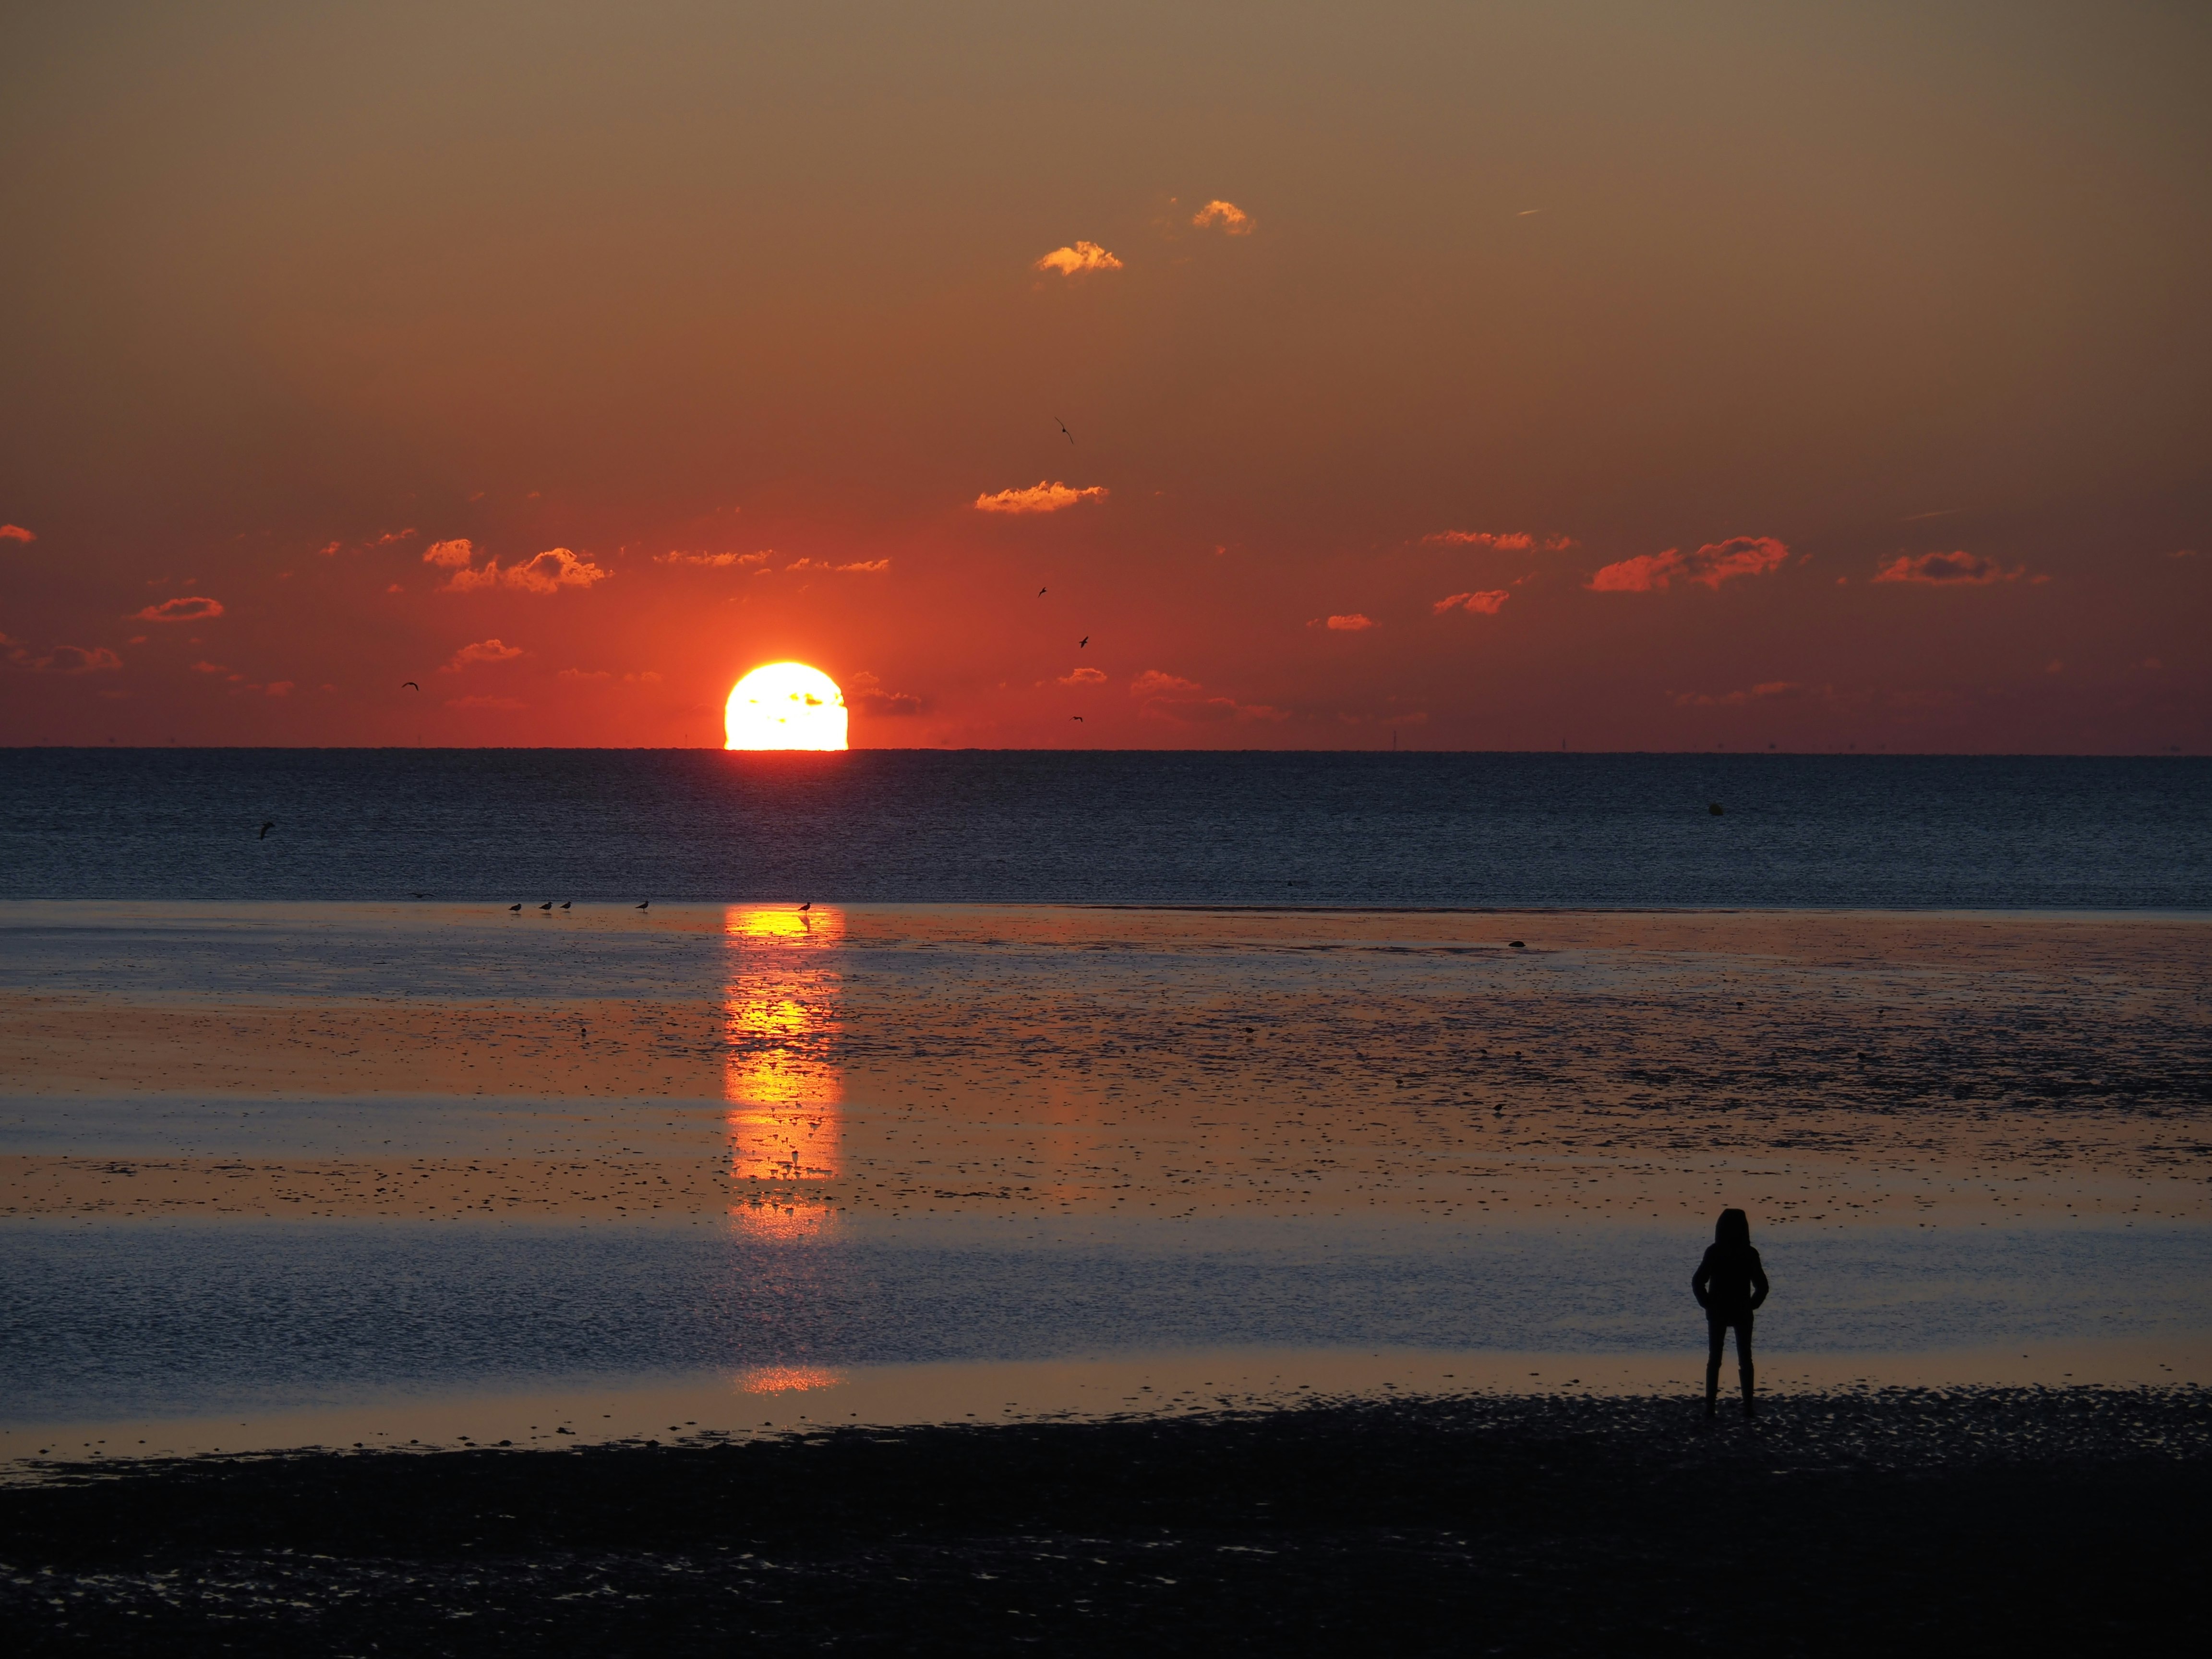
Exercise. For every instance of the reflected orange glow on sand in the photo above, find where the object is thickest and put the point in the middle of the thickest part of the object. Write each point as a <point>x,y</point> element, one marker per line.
<point>785,1095</point>
<point>787,1379</point>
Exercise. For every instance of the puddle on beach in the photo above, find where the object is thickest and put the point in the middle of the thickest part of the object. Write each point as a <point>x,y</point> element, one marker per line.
<point>2006,1090</point>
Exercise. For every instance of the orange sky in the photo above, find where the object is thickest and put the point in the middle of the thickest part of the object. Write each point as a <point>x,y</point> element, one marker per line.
<point>1740,374</point>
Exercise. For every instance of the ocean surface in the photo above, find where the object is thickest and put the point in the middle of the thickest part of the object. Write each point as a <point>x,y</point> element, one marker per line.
<point>910,826</point>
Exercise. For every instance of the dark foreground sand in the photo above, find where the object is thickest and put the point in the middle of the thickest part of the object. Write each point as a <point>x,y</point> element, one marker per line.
<point>1969,1521</point>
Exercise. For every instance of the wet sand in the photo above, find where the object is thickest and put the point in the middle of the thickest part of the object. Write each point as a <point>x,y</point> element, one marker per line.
<point>1989,1521</point>
<point>1825,1069</point>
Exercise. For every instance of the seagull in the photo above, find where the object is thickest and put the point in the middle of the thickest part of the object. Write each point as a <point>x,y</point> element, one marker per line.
<point>547,905</point>
<point>1039,593</point>
<point>265,828</point>
<point>512,909</point>
<point>643,906</point>
<point>1076,717</point>
<point>408,685</point>
<point>1062,425</point>
<point>1085,640</point>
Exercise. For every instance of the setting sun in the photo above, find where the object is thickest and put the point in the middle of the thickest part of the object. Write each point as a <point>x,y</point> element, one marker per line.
<point>785,705</point>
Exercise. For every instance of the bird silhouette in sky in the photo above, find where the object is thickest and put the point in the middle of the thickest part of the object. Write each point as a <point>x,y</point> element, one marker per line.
<point>512,909</point>
<point>646,905</point>
<point>1062,425</point>
<point>408,685</point>
<point>1039,593</point>
<point>265,828</point>
<point>1076,717</point>
<point>1085,640</point>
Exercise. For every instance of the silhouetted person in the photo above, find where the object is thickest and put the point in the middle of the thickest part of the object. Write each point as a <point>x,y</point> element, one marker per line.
<point>1729,1284</point>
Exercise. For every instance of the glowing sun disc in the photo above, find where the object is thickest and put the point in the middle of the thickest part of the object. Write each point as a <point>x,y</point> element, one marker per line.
<point>785,705</point>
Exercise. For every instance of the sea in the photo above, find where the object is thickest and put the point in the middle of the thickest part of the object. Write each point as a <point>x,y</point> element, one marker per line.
<point>890,826</point>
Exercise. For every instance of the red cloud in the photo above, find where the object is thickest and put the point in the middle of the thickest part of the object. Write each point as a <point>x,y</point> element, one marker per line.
<point>1154,683</point>
<point>1959,570</point>
<point>193,607</point>
<point>1515,541</point>
<point>1486,603</point>
<point>458,551</point>
<point>865,692</point>
<point>16,532</point>
<point>1711,565</point>
<point>714,560</point>
<point>1084,677</point>
<point>555,569</point>
<point>1350,625</point>
<point>482,651</point>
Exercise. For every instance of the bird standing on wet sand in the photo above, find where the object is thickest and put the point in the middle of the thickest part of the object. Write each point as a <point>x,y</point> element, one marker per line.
<point>646,905</point>
<point>565,904</point>
<point>547,905</point>
<point>512,909</point>
<point>265,828</point>
<point>808,905</point>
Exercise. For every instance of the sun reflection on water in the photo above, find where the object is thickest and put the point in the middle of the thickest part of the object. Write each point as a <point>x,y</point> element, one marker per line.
<point>785,1093</point>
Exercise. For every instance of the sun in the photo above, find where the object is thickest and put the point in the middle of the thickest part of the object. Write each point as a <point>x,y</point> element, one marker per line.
<point>785,705</point>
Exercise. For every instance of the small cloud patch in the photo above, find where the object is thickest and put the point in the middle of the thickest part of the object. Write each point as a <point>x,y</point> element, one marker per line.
<point>1040,497</point>
<point>1077,260</point>
<point>482,651</point>
<point>1709,566</point>
<point>192,607</point>
<point>1084,677</point>
<point>1232,220</point>
<point>1353,623</point>
<point>16,532</point>
<point>1487,603</point>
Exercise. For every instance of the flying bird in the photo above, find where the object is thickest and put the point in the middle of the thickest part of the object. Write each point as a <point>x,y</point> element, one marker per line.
<point>1062,425</point>
<point>408,685</point>
<point>1076,717</point>
<point>265,828</point>
<point>1039,593</point>
<point>1085,640</point>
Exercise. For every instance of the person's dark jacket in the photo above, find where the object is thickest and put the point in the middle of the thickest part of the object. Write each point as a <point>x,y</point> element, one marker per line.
<point>1730,1282</point>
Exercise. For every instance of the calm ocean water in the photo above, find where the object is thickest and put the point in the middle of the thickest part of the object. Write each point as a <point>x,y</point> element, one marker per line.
<point>888,826</point>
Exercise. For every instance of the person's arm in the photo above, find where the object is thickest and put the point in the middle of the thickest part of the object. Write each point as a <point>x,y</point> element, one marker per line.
<point>1701,1279</point>
<point>1758,1280</point>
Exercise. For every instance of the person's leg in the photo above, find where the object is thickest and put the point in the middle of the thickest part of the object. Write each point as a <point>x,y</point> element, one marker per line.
<point>1743,1360</point>
<point>1718,1332</point>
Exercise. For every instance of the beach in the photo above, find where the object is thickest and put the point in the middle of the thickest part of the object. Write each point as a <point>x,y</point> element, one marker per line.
<point>470,1173</point>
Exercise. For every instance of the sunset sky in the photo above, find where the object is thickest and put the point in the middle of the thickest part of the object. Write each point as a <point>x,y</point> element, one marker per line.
<point>1625,375</point>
